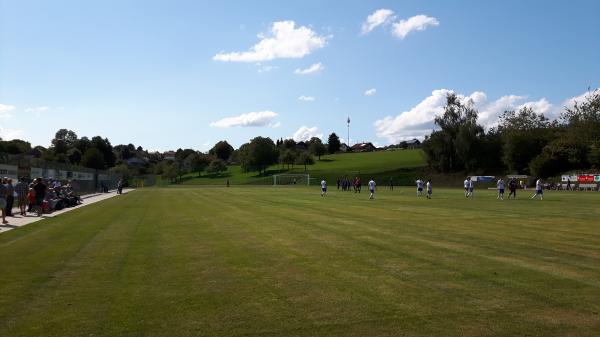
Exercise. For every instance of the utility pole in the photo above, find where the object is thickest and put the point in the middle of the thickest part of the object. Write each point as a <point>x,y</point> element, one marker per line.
<point>348,139</point>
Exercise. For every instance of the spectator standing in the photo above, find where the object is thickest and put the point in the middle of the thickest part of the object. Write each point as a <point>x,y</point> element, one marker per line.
<point>3,192</point>
<point>75,187</point>
<point>21,190</point>
<point>10,196</point>
<point>39,189</point>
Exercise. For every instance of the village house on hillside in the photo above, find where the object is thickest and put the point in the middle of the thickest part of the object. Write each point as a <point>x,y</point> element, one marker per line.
<point>410,144</point>
<point>169,155</point>
<point>363,147</point>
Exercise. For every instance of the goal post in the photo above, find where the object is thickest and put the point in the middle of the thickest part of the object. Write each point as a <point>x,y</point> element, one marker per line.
<point>291,179</point>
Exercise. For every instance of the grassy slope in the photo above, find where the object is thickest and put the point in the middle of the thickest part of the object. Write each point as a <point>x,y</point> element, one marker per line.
<point>382,165</point>
<point>283,261</point>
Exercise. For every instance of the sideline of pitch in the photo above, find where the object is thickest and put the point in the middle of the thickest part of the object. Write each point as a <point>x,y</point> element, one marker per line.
<point>20,221</point>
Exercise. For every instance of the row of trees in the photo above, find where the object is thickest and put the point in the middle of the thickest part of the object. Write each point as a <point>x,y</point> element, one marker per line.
<point>256,155</point>
<point>129,160</point>
<point>260,153</point>
<point>66,147</point>
<point>524,141</point>
<point>191,161</point>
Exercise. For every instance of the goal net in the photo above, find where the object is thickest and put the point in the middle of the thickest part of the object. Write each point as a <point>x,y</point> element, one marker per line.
<point>291,179</point>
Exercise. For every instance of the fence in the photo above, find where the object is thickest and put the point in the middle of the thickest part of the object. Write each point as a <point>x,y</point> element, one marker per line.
<point>87,180</point>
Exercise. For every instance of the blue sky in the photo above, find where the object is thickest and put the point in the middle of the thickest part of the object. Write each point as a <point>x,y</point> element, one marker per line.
<point>170,74</point>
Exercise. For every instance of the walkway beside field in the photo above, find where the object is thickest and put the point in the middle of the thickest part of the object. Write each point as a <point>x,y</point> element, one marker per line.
<point>19,220</point>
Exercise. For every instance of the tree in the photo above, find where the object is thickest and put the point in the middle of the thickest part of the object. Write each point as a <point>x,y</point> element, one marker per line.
<point>287,157</point>
<point>584,118</point>
<point>457,116</point>
<point>103,145</point>
<point>66,135</point>
<point>74,155</point>
<point>259,154</point>
<point>550,162</point>
<point>437,148</point>
<point>216,166</point>
<point>524,135</point>
<point>93,158</point>
<point>316,147</point>
<point>333,143</point>
<point>304,158</point>
<point>15,146</point>
<point>170,172</point>
<point>289,144</point>
<point>82,144</point>
<point>594,155</point>
<point>181,155</point>
<point>124,171</point>
<point>38,151</point>
<point>200,162</point>
<point>63,141</point>
<point>221,150</point>
<point>469,145</point>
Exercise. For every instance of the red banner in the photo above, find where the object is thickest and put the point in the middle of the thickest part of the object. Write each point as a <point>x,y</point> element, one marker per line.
<point>585,178</point>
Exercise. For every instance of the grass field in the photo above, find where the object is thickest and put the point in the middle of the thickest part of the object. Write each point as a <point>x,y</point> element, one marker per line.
<point>400,164</point>
<point>266,261</point>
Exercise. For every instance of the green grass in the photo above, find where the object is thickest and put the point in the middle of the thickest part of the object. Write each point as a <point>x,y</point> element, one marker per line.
<point>400,165</point>
<point>267,261</point>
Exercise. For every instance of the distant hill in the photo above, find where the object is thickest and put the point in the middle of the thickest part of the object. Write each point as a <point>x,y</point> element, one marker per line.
<point>401,165</point>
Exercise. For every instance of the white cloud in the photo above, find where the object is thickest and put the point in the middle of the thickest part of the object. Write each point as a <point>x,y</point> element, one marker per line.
<point>415,122</point>
<point>419,120</point>
<point>304,133</point>
<point>9,134</point>
<point>37,109</point>
<point>416,23</point>
<point>265,68</point>
<point>313,69</point>
<point>570,103</point>
<point>5,110</point>
<point>250,119</point>
<point>371,92</point>
<point>542,107</point>
<point>306,98</point>
<point>285,41</point>
<point>378,18</point>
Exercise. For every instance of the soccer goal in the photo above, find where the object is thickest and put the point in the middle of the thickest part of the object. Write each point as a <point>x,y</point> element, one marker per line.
<point>291,179</point>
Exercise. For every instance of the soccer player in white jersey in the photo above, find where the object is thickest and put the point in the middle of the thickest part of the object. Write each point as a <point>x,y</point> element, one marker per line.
<point>466,184</point>
<point>323,187</point>
<point>419,187</point>
<point>372,189</point>
<point>500,185</point>
<point>428,186</point>
<point>539,191</point>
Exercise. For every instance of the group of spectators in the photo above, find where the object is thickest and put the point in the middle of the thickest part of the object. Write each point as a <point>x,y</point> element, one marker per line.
<point>572,186</point>
<point>38,196</point>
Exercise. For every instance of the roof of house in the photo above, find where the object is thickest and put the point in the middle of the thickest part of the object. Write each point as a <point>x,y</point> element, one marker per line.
<point>362,146</point>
